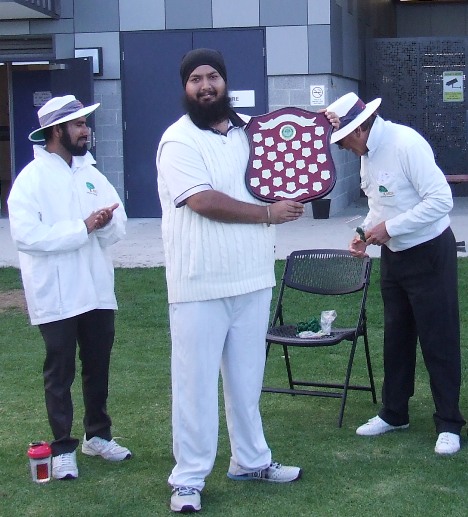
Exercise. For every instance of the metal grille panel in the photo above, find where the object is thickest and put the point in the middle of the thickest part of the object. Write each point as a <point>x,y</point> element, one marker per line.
<point>407,74</point>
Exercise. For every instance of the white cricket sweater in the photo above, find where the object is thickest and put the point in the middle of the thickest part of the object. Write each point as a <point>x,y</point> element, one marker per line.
<point>207,259</point>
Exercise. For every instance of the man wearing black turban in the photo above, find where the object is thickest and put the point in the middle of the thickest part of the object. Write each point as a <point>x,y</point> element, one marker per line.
<point>219,246</point>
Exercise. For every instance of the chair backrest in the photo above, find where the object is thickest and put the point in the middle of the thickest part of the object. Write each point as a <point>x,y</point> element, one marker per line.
<point>326,271</point>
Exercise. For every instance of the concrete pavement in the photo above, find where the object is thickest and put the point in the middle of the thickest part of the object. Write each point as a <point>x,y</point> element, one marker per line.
<point>143,245</point>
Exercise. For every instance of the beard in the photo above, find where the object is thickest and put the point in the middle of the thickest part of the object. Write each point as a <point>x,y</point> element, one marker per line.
<point>74,149</point>
<point>205,115</point>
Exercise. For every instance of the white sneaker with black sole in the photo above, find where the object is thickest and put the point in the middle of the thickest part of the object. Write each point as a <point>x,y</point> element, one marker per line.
<point>107,449</point>
<point>64,466</point>
<point>185,499</point>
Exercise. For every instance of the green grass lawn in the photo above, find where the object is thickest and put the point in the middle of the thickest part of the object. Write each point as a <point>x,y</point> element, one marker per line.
<point>343,475</point>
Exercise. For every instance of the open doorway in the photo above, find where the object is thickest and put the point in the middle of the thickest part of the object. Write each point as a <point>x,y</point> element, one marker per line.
<point>24,88</point>
<point>5,155</point>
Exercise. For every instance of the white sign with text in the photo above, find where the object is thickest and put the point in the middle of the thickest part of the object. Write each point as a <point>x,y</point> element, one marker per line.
<point>242,98</point>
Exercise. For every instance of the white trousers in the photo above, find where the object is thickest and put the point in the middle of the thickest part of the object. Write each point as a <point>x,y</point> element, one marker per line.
<point>226,334</point>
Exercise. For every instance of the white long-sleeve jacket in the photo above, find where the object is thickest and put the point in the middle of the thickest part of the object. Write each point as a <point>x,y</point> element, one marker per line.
<point>65,270</point>
<point>404,186</point>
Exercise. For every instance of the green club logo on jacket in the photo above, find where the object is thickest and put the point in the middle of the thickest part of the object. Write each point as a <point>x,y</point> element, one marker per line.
<point>91,188</point>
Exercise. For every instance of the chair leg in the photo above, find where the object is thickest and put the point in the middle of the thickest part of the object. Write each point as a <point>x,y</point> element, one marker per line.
<point>369,367</point>
<point>346,382</point>
<point>288,366</point>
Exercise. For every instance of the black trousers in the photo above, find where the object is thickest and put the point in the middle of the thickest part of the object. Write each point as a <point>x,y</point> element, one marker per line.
<point>94,333</point>
<point>420,295</point>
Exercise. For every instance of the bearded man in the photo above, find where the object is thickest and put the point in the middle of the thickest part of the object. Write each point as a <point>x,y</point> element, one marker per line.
<point>64,214</point>
<point>219,249</point>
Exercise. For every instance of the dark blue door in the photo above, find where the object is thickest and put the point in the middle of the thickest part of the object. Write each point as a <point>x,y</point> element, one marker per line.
<point>152,94</point>
<point>151,102</point>
<point>24,83</point>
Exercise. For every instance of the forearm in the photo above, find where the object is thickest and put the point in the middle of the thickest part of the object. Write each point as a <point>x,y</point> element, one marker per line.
<point>218,206</point>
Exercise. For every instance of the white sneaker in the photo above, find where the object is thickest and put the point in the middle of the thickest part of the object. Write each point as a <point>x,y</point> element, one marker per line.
<point>108,449</point>
<point>376,426</point>
<point>447,443</point>
<point>185,499</point>
<point>64,466</point>
<point>275,473</point>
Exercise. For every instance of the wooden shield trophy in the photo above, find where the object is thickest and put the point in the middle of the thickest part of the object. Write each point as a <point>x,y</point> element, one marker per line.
<point>290,156</point>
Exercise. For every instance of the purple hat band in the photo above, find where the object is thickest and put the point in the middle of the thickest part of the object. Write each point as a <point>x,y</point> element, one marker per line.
<point>359,107</point>
<point>70,108</point>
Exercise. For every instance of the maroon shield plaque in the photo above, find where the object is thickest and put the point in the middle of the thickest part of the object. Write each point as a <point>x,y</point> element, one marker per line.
<point>290,156</point>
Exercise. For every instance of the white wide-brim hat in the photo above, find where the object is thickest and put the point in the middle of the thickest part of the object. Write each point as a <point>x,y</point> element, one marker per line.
<point>58,110</point>
<point>352,112</point>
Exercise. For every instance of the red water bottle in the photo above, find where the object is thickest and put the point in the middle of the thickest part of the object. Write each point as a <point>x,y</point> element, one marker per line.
<point>40,461</point>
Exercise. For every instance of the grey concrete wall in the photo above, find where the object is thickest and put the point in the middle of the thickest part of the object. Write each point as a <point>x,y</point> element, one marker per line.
<point>109,138</point>
<point>449,20</point>
<point>303,36</point>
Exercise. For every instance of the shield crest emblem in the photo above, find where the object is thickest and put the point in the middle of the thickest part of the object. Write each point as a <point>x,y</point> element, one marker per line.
<point>290,156</point>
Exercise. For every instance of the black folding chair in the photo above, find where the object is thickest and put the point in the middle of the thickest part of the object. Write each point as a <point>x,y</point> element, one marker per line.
<point>324,273</point>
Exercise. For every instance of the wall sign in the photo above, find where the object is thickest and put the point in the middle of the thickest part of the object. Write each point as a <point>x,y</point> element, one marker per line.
<point>453,86</point>
<point>317,95</point>
<point>242,98</point>
<point>40,98</point>
<point>96,54</point>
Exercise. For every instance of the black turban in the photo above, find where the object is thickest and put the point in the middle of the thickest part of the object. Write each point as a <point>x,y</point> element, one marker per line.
<point>202,56</point>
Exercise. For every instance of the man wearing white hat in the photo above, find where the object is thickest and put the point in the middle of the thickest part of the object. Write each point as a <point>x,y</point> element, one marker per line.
<point>64,214</point>
<point>409,202</point>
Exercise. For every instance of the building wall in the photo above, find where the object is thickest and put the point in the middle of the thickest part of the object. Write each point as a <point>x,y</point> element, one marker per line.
<point>432,20</point>
<point>109,148</point>
<point>307,42</point>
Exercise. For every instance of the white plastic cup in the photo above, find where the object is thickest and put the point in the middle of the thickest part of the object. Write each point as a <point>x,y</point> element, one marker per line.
<point>40,461</point>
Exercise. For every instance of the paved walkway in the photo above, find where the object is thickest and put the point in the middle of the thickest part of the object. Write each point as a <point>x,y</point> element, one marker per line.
<point>143,245</point>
